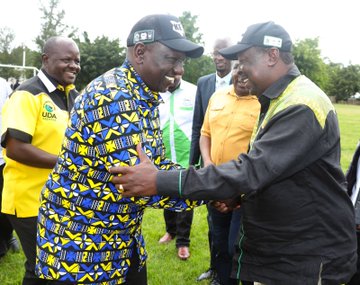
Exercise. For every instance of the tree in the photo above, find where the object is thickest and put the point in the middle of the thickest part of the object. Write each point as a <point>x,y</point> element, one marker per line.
<point>344,81</point>
<point>194,68</point>
<point>97,57</point>
<point>6,38</point>
<point>308,59</point>
<point>53,24</point>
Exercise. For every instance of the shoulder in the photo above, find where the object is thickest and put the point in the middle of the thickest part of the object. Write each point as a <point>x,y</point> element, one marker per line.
<point>33,86</point>
<point>187,85</point>
<point>206,78</point>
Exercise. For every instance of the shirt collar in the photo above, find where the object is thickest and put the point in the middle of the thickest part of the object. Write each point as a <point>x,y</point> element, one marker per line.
<point>44,77</point>
<point>145,92</point>
<point>51,84</point>
<point>222,81</point>
<point>279,86</point>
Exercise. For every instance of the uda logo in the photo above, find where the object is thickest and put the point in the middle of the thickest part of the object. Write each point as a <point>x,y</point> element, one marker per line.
<point>48,112</point>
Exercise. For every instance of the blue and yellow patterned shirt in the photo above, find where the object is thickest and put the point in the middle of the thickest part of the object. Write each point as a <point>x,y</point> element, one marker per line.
<point>88,232</point>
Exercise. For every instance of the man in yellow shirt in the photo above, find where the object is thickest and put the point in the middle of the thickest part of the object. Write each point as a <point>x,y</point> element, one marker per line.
<point>226,131</point>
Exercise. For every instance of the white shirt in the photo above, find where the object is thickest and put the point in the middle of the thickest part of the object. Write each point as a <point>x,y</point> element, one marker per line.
<point>355,190</point>
<point>222,82</point>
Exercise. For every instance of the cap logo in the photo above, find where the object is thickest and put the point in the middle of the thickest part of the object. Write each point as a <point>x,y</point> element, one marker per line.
<point>145,36</point>
<point>177,27</point>
<point>272,41</point>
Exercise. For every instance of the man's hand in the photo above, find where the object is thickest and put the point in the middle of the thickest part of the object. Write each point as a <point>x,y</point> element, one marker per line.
<point>226,206</point>
<point>138,180</point>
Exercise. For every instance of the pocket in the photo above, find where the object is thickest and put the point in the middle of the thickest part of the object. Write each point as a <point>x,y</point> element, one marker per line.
<point>248,121</point>
<point>215,111</point>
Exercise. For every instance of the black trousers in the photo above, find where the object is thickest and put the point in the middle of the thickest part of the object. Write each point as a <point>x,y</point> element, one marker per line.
<point>135,277</point>
<point>26,231</point>
<point>6,228</point>
<point>178,224</point>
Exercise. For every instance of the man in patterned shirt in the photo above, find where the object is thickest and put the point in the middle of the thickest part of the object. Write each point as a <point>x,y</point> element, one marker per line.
<point>87,232</point>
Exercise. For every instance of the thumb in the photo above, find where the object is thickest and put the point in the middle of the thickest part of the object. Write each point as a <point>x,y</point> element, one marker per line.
<point>142,155</point>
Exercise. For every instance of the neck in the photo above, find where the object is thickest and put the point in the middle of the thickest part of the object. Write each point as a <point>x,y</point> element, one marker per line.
<point>222,73</point>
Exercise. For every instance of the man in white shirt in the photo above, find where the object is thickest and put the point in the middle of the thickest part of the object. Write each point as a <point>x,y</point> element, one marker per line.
<point>176,116</point>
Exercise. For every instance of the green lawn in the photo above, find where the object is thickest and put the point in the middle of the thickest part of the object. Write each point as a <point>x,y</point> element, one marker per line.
<point>164,267</point>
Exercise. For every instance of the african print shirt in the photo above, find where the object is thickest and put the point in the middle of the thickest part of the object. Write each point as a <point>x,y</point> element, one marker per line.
<point>88,232</point>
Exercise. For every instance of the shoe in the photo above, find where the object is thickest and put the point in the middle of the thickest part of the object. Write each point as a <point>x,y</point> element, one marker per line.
<point>166,238</point>
<point>13,244</point>
<point>206,275</point>
<point>183,252</point>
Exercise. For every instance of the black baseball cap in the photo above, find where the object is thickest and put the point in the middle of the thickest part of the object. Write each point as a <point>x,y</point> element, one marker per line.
<point>266,34</point>
<point>166,29</point>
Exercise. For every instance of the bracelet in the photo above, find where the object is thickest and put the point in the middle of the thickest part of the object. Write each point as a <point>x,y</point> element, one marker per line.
<point>180,183</point>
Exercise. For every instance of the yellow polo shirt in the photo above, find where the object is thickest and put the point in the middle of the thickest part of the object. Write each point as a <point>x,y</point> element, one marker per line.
<point>229,121</point>
<point>30,115</point>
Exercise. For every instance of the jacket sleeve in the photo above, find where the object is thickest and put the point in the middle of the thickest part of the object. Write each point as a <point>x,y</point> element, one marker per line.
<point>291,141</point>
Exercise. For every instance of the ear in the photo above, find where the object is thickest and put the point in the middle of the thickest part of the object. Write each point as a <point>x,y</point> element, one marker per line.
<point>44,59</point>
<point>273,56</point>
<point>139,51</point>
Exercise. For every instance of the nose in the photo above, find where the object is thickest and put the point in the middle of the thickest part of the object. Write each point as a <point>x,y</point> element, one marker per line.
<point>179,69</point>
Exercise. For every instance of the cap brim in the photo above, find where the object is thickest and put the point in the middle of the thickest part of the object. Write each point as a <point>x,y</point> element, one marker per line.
<point>183,45</point>
<point>233,51</point>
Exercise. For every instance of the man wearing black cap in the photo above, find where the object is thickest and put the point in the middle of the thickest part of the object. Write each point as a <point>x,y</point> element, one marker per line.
<point>88,232</point>
<point>298,222</point>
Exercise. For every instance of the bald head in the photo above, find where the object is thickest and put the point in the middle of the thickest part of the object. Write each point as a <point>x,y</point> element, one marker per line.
<point>61,59</point>
<point>222,65</point>
<point>53,42</point>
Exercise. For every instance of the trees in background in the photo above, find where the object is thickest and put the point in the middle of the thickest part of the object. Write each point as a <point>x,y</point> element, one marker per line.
<point>102,54</point>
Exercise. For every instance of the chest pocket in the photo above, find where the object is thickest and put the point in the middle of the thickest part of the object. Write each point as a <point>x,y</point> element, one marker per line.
<point>215,111</point>
<point>247,120</point>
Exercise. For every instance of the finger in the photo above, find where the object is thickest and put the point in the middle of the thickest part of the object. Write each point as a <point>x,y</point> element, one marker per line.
<point>142,155</point>
<point>119,169</point>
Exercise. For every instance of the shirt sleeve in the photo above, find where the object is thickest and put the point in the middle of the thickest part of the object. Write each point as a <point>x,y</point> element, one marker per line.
<point>20,115</point>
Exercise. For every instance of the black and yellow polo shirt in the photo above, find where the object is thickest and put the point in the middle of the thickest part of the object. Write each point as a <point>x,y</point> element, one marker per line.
<point>37,113</point>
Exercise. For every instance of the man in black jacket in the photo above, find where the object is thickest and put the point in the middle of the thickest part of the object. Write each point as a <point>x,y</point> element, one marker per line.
<point>298,221</point>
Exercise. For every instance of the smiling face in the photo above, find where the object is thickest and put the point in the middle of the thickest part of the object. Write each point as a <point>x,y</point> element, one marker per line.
<point>254,68</point>
<point>61,60</point>
<point>159,66</point>
<point>242,85</point>
<point>222,65</point>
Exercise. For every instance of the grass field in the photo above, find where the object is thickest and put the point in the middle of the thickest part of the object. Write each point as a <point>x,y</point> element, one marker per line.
<point>164,268</point>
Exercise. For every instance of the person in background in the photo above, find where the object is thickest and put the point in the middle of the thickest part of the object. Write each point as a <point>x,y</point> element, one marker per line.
<point>14,82</point>
<point>33,126</point>
<point>7,240</point>
<point>87,231</point>
<point>353,187</point>
<point>298,224</point>
<point>206,86</point>
<point>228,124</point>
<point>176,116</point>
